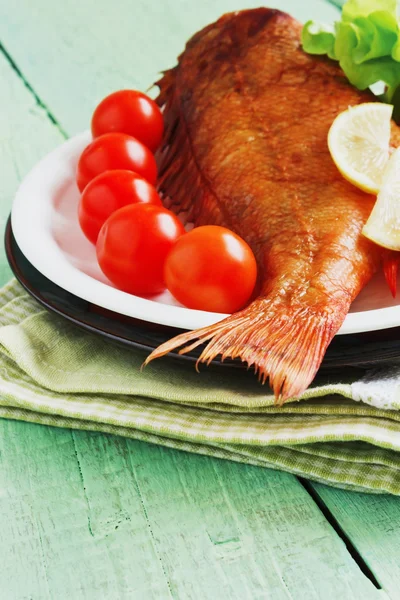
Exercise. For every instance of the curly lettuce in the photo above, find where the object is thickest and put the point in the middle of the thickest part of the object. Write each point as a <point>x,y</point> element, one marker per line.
<point>366,43</point>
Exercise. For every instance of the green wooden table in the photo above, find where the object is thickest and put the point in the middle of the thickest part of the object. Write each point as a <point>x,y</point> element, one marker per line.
<point>89,516</point>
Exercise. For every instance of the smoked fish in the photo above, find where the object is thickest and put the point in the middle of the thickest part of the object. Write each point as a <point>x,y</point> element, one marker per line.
<point>247,116</point>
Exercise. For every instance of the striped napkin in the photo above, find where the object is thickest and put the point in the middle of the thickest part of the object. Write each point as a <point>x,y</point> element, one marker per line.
<point>343,433</point>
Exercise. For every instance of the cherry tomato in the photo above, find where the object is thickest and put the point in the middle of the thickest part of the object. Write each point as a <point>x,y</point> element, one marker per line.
<point>108,192</point>
<point>133,245</point>
<point>131,112</point>
<point>115,151</point>
<point>211,268</point>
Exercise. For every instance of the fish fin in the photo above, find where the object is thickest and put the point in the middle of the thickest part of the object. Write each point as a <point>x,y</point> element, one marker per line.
<point>390,268</point>
<point>284,345</point>
<point>195,201</point>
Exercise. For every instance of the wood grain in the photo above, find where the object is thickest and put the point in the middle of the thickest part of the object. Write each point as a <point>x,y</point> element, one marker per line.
<point>26,134</point>
<point>68,531</point>
<point>373,524</point>
<point>240,531</point>
<point>91,516</point>
<point>78,51</point>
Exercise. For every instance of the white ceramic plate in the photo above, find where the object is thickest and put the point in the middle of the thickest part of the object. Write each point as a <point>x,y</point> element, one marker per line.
<point>45,226</point>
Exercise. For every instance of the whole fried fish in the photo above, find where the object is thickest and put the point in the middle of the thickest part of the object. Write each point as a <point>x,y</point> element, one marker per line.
<point>247,118</point>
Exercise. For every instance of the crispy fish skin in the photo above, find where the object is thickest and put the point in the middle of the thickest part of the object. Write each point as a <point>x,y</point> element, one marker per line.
<point>247,117</point>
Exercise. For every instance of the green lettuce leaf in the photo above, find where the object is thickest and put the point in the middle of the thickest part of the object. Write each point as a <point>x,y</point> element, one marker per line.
<point>318,39</point>
<point>366,42</point>
<point>385,35</point>
<point>348,39</point>
<point>367,38</point>
<point>362,8</point>
<point>378,69</point>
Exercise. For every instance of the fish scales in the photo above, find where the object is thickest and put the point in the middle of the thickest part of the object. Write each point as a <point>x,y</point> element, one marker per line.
<point>247,116</point>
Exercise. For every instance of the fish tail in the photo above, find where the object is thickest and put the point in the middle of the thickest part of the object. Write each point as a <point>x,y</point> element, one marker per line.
<point>285,345</point>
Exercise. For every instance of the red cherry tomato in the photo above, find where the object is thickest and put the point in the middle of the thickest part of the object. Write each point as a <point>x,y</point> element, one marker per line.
<point>133,245</point>
<point>211,268</point>
<point>131,112</point>
<point>108,192</point>
<point>115,151</point>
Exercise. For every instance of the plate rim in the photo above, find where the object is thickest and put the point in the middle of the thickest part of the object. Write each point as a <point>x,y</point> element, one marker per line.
<point>339,359</point>
<point>83,323</point>
<point>96,292</point>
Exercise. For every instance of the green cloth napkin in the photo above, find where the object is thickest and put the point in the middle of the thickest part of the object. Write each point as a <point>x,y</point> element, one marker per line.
<point>345,434</point>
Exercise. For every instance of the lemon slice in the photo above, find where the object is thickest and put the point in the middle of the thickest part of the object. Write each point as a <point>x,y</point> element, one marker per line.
<point>359,141</point>
<point>383,225</point>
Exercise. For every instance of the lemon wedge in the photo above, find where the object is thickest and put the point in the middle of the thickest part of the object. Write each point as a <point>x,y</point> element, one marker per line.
<point>359,141</point>
<point>383,225</point>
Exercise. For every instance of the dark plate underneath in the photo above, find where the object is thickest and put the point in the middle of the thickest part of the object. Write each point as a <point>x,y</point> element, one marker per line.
<point>355,350</point>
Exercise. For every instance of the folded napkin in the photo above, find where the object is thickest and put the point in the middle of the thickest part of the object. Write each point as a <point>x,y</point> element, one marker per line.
<point>345,434</point>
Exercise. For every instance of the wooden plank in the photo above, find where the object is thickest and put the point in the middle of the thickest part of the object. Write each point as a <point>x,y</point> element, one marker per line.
<point>77,52</point>
<point>373,525</point>
<point>26,134</point>
<point>61,540</point>
<point>101,516</point>
<point>225,530</point>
